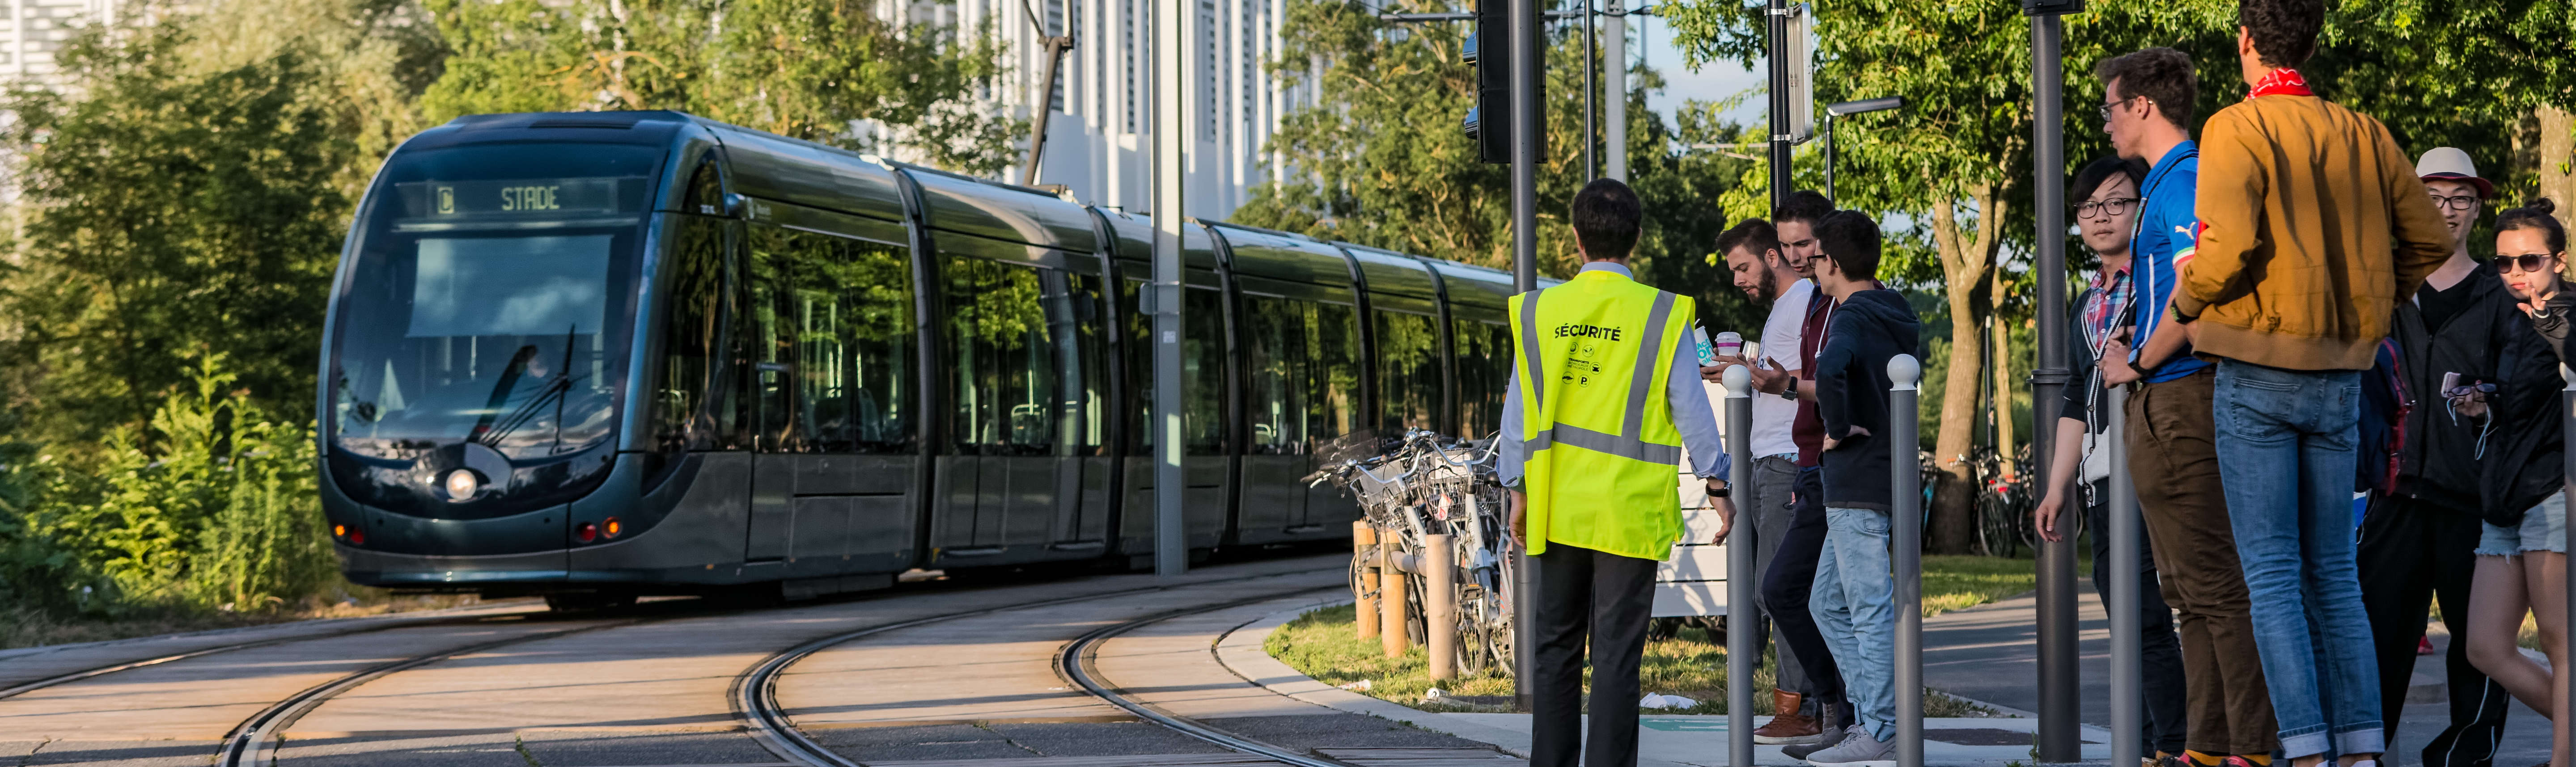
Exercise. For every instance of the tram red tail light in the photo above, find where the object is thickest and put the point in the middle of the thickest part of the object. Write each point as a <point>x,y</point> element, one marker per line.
<point>585,532</point>
<point>358,536</point>
<point>611,527</point>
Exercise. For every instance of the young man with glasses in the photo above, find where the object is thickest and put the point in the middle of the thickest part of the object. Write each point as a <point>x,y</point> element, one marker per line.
<point>2108,217</point>
<point>2420,541</point>
<point>2172,439</point>
<point>2313,227</point>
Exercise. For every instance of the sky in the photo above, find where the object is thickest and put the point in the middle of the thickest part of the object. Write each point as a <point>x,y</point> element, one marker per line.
<point>1715,80</point>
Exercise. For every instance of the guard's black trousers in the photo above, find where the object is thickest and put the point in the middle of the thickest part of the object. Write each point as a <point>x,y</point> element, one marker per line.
<point>1586,594</point>
<point>2410,553</point>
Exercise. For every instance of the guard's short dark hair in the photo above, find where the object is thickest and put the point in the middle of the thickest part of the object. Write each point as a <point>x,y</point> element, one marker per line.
<point>2284,31</point>
<point>1804,205</point>
<point>2536,216</point>
<point>2162,75</point>
<point>1754,235</point>
<point>2099,171</point>
<point>1851,240</point>
<point>1606,216</point>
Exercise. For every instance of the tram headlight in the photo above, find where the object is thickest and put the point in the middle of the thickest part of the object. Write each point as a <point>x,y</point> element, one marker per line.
<point>462,484</point>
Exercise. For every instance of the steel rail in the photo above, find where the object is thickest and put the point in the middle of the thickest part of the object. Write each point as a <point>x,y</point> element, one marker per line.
<point>220,649</point>
<point>254,736</point>
<point>755,692</point>
<point>1076,660</point>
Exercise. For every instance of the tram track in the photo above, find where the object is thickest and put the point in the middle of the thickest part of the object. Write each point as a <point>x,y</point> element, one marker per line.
<point>99,671</point>
<point>756,691</point>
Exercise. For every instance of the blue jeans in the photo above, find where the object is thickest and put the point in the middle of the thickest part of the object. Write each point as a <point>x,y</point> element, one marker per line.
<point>1855,606</point>
<point>2285,458</point>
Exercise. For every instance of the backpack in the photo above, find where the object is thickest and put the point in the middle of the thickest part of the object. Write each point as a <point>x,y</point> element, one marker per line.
<point>2385,403</point>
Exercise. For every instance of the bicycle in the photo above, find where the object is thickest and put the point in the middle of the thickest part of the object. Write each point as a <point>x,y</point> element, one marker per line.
<point>1423,484</point>
<point>2003,506</point>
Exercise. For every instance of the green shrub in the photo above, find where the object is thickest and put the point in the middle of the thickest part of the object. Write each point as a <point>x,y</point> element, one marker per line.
<point>212,508</point>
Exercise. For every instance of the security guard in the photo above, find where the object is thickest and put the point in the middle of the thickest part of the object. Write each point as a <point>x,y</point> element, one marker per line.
<point>1599,507</point>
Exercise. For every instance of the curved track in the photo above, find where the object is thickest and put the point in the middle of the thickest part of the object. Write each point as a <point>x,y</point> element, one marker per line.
<point>367,692</point>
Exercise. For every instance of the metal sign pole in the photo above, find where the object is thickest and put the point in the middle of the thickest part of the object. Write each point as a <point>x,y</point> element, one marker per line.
<point>2060,740</point>
<point>1742,655</point>
<point>1780,127</point>
<point>2567,422</point>
<point>1905,509</point>
<point>2128,707</point>
<point>1527,138</point>
<point>1614,92</point>
<point>1171,130</point>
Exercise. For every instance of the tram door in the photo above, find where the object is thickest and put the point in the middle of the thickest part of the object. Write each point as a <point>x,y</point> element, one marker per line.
<point>1030,480</point>
<point>1301,364</point>
<point>830,338</point>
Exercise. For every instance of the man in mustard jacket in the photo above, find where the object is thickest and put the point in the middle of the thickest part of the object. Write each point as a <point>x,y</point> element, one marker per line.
<point>1601,403</point>
<point>2313,225</point>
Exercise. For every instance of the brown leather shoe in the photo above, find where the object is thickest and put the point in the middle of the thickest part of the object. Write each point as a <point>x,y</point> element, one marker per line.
<point>1788,726</point>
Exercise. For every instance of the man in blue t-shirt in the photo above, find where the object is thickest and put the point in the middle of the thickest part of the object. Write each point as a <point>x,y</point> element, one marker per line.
<point>2172,437</point>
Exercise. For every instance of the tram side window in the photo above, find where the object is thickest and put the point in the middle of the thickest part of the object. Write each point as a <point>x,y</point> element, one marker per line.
<point>1336,385</point>
<point>1484,370</point>
<point>831,340</point>
<point>1086,409</point>
<point>1278,364</point>
<point>1408,370</point>
<point>694,407</point>
<point>1203,351</point>
<point>1006,358</point>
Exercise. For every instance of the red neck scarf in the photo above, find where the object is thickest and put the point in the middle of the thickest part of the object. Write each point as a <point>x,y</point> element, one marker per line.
<point>2281,82</point>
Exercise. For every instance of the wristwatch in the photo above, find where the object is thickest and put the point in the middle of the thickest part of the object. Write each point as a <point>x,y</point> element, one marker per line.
<point>1791,393</point>
<point>1721,492</point>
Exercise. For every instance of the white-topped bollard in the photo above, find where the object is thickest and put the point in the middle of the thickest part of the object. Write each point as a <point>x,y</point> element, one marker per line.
<point>2567,425</point>
<point>2128,683</point>
<point>1741,614</point>
<point>1905,528</point>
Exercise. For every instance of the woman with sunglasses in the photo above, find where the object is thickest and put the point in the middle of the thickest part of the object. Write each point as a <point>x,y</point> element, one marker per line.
<point>2522,557</point>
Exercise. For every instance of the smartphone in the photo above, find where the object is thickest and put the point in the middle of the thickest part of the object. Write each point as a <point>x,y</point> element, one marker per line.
<point>2450,382</point>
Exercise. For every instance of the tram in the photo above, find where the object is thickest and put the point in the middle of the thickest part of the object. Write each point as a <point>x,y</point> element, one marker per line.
<point>595,355</point>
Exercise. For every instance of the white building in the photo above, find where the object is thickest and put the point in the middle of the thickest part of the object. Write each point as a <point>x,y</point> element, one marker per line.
<point>34,29</point>
<point>1099,141</point>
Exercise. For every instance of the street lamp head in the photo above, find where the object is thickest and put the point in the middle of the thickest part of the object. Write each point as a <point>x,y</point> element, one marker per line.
<point>1865,106</point>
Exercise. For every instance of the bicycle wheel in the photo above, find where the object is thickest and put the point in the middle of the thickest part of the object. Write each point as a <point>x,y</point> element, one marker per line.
<point>1995,525</point>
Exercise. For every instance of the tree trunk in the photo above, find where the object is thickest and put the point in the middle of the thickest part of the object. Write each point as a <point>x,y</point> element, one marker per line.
<point>2558,161</point>
<point>1963,269</point>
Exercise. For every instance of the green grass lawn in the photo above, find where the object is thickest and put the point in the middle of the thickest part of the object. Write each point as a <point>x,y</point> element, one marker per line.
<point>1692,664</point>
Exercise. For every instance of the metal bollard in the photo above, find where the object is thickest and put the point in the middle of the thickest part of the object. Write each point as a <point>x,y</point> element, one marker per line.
<point>1364,561</point>
<point>1440,604</point>
<point>1905,513</point>
<point>1741,654</point>
<point>2567,422</point>
<point>1390,596</point>
<point>2128,710</point>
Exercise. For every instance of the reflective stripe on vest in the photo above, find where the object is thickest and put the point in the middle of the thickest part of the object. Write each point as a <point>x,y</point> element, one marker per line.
<point>1627,443</point>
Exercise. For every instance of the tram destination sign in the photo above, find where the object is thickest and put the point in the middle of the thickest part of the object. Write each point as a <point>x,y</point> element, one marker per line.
<point>513,198</point>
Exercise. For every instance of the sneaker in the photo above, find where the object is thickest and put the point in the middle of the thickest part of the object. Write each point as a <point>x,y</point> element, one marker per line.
<point>1788,726</point>
<point>1858,749</point>
<point>1827,736</point>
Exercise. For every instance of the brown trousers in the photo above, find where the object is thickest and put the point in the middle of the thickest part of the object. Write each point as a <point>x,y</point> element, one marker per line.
<point>2173,459</point>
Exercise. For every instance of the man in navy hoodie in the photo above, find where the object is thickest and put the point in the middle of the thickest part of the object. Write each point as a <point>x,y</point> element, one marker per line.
<point>1854,597</point>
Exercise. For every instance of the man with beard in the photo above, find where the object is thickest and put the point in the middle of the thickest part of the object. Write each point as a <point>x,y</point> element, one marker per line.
<point>1753,255</point>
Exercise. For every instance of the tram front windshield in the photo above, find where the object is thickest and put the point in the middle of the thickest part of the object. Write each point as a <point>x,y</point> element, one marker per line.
<point>490,303</point>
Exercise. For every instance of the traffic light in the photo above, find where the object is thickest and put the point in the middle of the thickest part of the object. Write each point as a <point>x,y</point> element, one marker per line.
<point>1489,50</point>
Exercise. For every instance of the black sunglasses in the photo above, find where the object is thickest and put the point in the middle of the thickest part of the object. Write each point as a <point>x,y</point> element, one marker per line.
<point>2529,262</point>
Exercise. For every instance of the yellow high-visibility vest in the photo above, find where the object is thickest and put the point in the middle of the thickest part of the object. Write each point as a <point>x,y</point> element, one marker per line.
<point>1597,433</point>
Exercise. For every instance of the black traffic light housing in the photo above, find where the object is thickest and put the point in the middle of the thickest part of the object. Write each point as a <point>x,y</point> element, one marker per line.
<point>2037,7</point>
<point>1489,50</point>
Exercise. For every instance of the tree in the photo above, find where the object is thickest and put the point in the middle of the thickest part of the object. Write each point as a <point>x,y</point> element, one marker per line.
<point>1386,163</point>
<point>1953,159</point>
<point>808,70</point>
<point>167,212</point>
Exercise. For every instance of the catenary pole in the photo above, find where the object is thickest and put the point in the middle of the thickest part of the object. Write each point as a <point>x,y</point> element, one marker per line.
<point>2060,740</point>
<point>1591,168</point>
<point>1905,528</point>
<point>2128,704</point>
<point>1742,654</point>
<point>1171,130</point>
<point>1614,91</point>
<point>1527,136</point>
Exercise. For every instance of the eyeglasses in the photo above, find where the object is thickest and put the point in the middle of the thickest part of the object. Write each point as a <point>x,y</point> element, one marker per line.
<point>2530,262</point>
<point>2462,202</point>
<point>2106,108</point>
<point>2105,208</point>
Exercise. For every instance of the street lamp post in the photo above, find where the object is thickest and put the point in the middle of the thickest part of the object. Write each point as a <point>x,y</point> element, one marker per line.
<point>1841,109</point>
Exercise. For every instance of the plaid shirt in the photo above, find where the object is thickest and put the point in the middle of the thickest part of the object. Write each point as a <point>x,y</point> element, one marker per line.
<point>2110,291</point>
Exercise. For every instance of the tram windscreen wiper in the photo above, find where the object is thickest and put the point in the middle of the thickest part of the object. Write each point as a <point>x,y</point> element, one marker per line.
<point>493,427</point>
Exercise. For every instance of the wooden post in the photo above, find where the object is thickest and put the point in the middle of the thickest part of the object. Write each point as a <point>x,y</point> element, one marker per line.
<point>1390,596</point>
<point>1364,552</point>
<point>1439,605</point>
